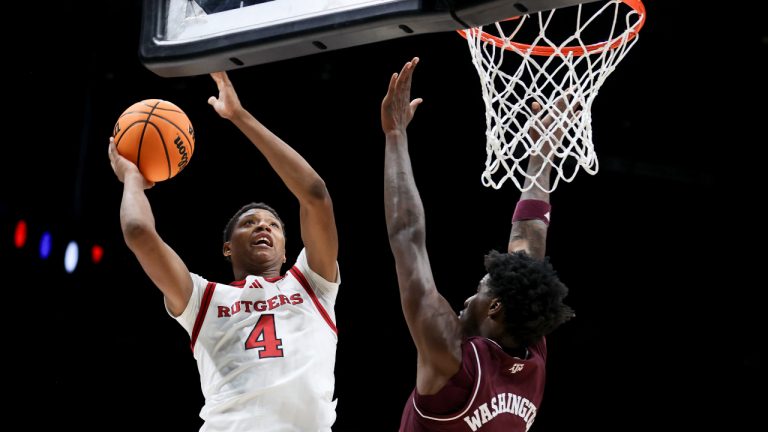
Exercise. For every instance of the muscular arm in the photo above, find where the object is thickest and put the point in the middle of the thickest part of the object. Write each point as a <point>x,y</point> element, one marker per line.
<point>318,226</point>
<point>531,235</point>
<point>159,261</point>
<point>432,322</point>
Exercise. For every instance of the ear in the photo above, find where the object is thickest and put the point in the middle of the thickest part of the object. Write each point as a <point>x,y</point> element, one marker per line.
<point>226,250</point>
<point>495,307</point>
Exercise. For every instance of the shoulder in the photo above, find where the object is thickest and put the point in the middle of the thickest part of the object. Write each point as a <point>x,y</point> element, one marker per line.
<point>540,347</point>
<point>303,265</point>
<point>479,343</point>
<point>198,281</point>
<point>309,279</point>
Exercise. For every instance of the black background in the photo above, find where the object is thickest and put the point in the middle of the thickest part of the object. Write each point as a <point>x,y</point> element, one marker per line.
<point>667,334</point>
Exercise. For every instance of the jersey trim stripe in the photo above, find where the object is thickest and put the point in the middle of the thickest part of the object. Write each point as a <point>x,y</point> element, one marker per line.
<point>471,401</point>
<point>207,296</point>
<point>303,281</point>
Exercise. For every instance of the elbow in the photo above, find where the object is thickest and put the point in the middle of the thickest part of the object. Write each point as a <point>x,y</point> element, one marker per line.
<point>134,231</point>
<point>405,224</point>
<point>317,193</point>
<point>406,234</point>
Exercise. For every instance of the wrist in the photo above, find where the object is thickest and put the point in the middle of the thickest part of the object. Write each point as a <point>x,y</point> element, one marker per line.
<point>532,209</point>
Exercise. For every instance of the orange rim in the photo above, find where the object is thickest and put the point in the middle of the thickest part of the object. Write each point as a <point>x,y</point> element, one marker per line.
<point>576,50</point>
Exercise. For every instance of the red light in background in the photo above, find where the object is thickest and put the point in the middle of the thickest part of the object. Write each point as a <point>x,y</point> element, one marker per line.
<point>20,235</point>
<point>97,252</point>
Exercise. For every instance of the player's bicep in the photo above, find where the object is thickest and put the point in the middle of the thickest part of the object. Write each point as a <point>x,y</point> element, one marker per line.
<point>318,233</point>
<point>433,324</point>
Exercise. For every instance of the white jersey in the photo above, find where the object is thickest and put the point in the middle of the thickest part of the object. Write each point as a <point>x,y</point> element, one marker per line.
<point>265,350</point>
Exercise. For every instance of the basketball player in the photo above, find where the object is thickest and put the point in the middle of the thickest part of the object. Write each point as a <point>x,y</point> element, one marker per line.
<point>265,344</point>
<point>483,369</point>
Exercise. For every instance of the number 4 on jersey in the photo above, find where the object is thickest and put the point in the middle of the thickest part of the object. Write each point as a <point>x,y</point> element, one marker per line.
<point>264,336</point>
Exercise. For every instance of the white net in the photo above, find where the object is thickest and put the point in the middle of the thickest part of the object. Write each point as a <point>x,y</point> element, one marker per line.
<point>545,67</point>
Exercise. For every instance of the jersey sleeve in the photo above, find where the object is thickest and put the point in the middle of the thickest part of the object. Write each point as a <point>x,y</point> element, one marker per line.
<point>325,290</point>
<point>457,392</point>
<point>187,318</point>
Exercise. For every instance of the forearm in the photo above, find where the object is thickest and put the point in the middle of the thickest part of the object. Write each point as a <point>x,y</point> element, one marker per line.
<point>300,178</point>
<point>136,218</point>
<point>402,204</point>
<point>539,170</point>
<point>531,235</point>
<point>432,322</point>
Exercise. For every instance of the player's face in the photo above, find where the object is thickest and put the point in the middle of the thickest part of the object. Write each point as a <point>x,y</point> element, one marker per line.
<point>258,238</point>
<point>476,308</point>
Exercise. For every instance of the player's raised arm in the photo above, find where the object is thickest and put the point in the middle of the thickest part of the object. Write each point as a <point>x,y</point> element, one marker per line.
<point>532,213</point>
<point>318,226</point>
<point>159,261</point>
<point>432,322</point>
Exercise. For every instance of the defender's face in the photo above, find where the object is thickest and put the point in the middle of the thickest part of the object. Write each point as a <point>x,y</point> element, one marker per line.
<point>476,308</point>
<point>257,238</point>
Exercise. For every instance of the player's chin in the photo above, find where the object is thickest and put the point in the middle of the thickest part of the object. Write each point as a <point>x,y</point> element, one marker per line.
<point>263,254</point>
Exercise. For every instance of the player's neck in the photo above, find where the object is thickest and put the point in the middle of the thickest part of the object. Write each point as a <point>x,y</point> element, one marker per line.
<point>509,344</point>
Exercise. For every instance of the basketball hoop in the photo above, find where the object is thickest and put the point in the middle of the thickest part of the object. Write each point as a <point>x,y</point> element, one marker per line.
<point>568,64</point>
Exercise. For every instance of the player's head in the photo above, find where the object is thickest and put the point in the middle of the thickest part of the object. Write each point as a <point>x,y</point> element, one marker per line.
<point>255,236</point>
<point>520,296</point>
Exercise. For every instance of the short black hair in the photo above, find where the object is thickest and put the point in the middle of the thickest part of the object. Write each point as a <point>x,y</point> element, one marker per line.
<point>531,293</point>
<point>254,205</point>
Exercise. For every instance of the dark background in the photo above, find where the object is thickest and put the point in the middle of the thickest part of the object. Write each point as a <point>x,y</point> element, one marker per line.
<point>667,334</point>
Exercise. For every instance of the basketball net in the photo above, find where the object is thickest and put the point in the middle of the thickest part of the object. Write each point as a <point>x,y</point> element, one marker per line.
<point>552,66</point>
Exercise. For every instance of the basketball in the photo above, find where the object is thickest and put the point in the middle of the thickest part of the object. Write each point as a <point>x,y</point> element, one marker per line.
<point>157,136</point>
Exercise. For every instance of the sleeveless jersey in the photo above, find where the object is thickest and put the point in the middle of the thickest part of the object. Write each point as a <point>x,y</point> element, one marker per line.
<point>504,392</point>
<point>265,351</point>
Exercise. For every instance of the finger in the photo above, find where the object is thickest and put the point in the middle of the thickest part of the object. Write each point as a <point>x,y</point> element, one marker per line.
<point>390,89</point>
<point>415,104</point>
<point>405,68</point>
<point>535,107</point>
<point>393,81</point>
<point>561,104</point>
<point>566,101</point>
<point>220,78</point>
<point>412,65</point>
<point>212,101</point>
<point>216,78</point>
<point>406,76</point>
<point>112,153</point>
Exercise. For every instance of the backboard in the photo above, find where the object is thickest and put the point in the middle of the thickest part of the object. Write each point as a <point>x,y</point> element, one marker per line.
<point>193,37</point>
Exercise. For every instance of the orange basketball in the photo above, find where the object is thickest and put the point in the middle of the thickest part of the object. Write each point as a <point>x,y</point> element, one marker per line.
<point>157,136</point>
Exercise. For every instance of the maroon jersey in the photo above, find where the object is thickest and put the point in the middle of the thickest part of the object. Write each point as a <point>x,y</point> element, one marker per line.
<point>492,391</point>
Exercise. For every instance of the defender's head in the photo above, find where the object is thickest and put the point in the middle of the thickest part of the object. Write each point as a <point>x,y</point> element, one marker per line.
<point>521,297</point>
